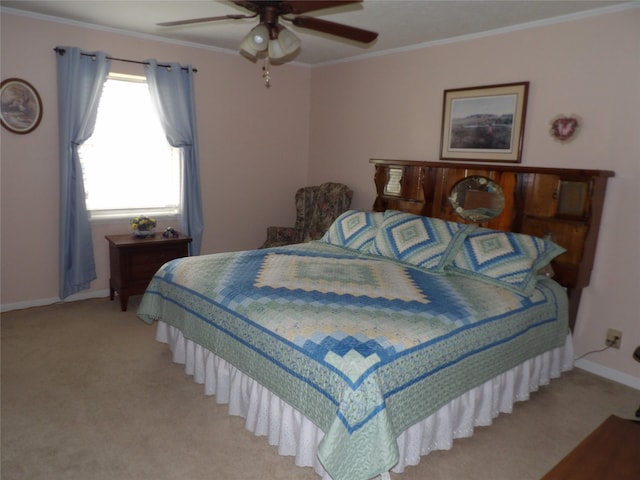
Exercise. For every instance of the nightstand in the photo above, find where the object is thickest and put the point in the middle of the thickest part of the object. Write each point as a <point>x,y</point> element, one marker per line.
<point>134,261</point>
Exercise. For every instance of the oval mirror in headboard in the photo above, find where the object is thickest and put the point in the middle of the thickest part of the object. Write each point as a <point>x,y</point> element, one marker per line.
<point>477,199</point>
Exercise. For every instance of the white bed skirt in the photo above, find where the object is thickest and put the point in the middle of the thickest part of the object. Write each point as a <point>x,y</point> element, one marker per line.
<point>295,435</point>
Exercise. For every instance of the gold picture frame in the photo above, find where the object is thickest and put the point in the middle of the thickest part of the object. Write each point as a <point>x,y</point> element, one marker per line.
<point>20,106</point>
<point>484,123</point>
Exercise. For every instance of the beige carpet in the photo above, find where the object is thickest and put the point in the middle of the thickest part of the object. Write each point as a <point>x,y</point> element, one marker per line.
<point>87,393</point>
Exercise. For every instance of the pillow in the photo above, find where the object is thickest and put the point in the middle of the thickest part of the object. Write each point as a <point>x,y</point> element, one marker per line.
<point>507,259</point>
<point>422,241</point>
<point>354,229</point>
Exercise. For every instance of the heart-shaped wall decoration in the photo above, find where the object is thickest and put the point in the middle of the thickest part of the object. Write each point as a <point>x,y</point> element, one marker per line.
<point>564,128</point>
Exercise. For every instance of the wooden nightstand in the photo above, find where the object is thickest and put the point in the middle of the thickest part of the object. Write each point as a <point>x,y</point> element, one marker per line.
<point>133,261</point>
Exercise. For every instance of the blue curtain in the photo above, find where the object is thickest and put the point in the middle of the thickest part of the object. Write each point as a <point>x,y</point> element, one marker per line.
<point>81,77</point>
<point>172,93</point>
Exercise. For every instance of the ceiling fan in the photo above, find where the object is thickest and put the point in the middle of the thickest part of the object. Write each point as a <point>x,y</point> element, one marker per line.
<point>271,40</point>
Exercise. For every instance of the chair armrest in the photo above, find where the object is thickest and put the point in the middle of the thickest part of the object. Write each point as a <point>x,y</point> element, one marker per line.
<point>277,236</point>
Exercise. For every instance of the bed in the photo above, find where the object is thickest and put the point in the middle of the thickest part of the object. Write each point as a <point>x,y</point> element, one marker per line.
<point>402,328</point>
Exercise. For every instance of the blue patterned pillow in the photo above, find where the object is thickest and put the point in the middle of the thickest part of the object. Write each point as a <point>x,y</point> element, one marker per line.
<point>354,229</point>
<point>425,242</point>
<point>507,259</point>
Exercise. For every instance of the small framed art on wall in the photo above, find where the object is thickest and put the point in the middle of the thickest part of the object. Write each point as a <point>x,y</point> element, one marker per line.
<point>20,106</point>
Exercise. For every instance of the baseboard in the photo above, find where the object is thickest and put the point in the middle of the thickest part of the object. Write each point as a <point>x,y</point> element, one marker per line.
<point>611,374</point>
<point>50,301</point>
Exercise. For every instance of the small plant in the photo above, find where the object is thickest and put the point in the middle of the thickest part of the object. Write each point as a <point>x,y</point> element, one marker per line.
<point>143,224</point>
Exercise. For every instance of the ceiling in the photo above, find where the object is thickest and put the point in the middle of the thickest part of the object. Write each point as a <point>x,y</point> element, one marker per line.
<point>401,24</point>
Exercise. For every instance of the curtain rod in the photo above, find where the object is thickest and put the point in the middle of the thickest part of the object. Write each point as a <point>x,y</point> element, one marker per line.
<point>62,51</point>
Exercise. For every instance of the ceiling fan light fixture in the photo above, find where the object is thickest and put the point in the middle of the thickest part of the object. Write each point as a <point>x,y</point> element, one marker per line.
<point>285,44</point>
<point>256,41</point>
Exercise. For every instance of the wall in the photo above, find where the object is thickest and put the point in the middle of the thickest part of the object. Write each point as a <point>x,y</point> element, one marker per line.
<point>326,123</point>
<point>391,106</point>
<point>248,134</point>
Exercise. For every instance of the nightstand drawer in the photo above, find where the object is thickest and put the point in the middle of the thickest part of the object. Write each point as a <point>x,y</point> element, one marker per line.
<point>145,263</point>
<point>144,271</point>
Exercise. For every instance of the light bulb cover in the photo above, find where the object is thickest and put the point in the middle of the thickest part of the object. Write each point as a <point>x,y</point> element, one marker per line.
<point>275,50</point>
<point>289,42</point>
<point>256,41</point>
<point>285,44</point>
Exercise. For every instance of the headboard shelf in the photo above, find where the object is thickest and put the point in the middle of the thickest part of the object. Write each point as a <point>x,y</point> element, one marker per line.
<point>562,203</point>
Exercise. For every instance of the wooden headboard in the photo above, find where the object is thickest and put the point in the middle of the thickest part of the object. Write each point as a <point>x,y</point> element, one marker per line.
<point>564,204</point>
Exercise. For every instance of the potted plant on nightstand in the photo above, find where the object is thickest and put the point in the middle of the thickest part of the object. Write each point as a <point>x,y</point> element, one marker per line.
<point>143,227</point>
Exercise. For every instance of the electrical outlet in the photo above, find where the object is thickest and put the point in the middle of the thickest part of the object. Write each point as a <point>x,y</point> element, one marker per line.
<point>613,339</point>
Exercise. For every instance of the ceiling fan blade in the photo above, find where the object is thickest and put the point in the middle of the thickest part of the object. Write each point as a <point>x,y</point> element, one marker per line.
<point>337,29</point>
<point>202,20</point>
<point>304,6</point>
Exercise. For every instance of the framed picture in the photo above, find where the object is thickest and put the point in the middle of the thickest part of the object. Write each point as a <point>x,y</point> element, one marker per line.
<point>484,123</point>
<point>20,106</point>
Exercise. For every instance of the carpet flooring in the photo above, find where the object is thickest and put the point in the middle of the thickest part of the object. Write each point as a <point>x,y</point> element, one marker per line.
<point>87,393</point>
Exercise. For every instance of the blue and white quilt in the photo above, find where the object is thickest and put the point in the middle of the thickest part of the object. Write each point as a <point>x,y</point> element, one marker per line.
<point>364,346</point>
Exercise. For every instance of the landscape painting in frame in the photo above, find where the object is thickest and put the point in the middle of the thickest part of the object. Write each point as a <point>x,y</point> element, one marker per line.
<point>484,123</point>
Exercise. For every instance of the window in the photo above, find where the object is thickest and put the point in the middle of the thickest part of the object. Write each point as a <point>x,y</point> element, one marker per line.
<point>128,166</point>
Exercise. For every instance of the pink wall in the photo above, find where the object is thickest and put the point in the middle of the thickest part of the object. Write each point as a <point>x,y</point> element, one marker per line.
<point>391,106</point>
<point>257,145</point>
<point>249,136</point>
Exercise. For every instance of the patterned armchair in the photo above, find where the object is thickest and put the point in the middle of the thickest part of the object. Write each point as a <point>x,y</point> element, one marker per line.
<point>316,209</point>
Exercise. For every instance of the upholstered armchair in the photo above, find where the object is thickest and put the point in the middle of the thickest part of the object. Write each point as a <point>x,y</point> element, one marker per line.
<point>316,209</point>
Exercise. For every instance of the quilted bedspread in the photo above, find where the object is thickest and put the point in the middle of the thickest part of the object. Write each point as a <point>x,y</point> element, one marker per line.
<point>362,345</point>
